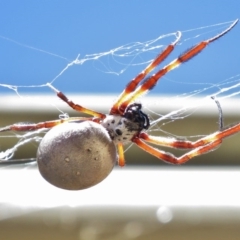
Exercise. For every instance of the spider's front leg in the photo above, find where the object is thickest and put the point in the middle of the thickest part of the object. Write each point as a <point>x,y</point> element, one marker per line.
<point>201,146</point>
<point>151,82</point>
<point>132,85</point>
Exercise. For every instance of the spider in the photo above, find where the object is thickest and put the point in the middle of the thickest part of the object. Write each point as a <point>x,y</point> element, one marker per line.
<point>126,121</point>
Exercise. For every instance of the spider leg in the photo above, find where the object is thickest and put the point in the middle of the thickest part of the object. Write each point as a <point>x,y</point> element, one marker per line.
<point>47,124</point>
<point>132,85</point>
<point>152,81</point>
<point>175,143</point>
<point>74,106</point>
<point>170,158</point>
<point>198,147</point>
<point>121,159</point>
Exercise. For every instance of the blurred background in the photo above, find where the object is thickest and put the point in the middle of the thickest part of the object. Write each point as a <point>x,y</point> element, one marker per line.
<point>147,199</point>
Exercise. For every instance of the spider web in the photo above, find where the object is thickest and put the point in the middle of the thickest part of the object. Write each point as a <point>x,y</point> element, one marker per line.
<point>118,61</point>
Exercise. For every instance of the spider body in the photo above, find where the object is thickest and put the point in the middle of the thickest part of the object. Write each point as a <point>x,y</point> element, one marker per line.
<point>126,122</point>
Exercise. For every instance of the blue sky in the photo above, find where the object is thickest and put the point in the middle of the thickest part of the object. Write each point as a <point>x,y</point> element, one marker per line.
<point>69,28</point>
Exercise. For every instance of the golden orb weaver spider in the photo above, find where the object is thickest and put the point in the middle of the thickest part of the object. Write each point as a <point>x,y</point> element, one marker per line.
<point>126,122</point>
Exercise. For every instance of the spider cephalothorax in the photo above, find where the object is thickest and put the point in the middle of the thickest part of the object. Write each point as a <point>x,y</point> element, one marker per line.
<point>124,128</point>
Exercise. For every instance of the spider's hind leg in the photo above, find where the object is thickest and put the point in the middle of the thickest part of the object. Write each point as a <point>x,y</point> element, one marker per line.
<point>74,106</point>
<point>26,126</point>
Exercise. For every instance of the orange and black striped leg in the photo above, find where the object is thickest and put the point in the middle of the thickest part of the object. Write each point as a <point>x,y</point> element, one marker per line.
<point>76,106</point>
<point>132,85</point>
<point>203,145</point>
<point>152,81</point>
<point>40,125</point>
<point>174,143</point>
<point>170,158</point>
<point>180,144</point>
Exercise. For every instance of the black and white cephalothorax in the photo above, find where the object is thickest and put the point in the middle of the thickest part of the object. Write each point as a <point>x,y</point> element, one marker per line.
<point>124,128</point>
